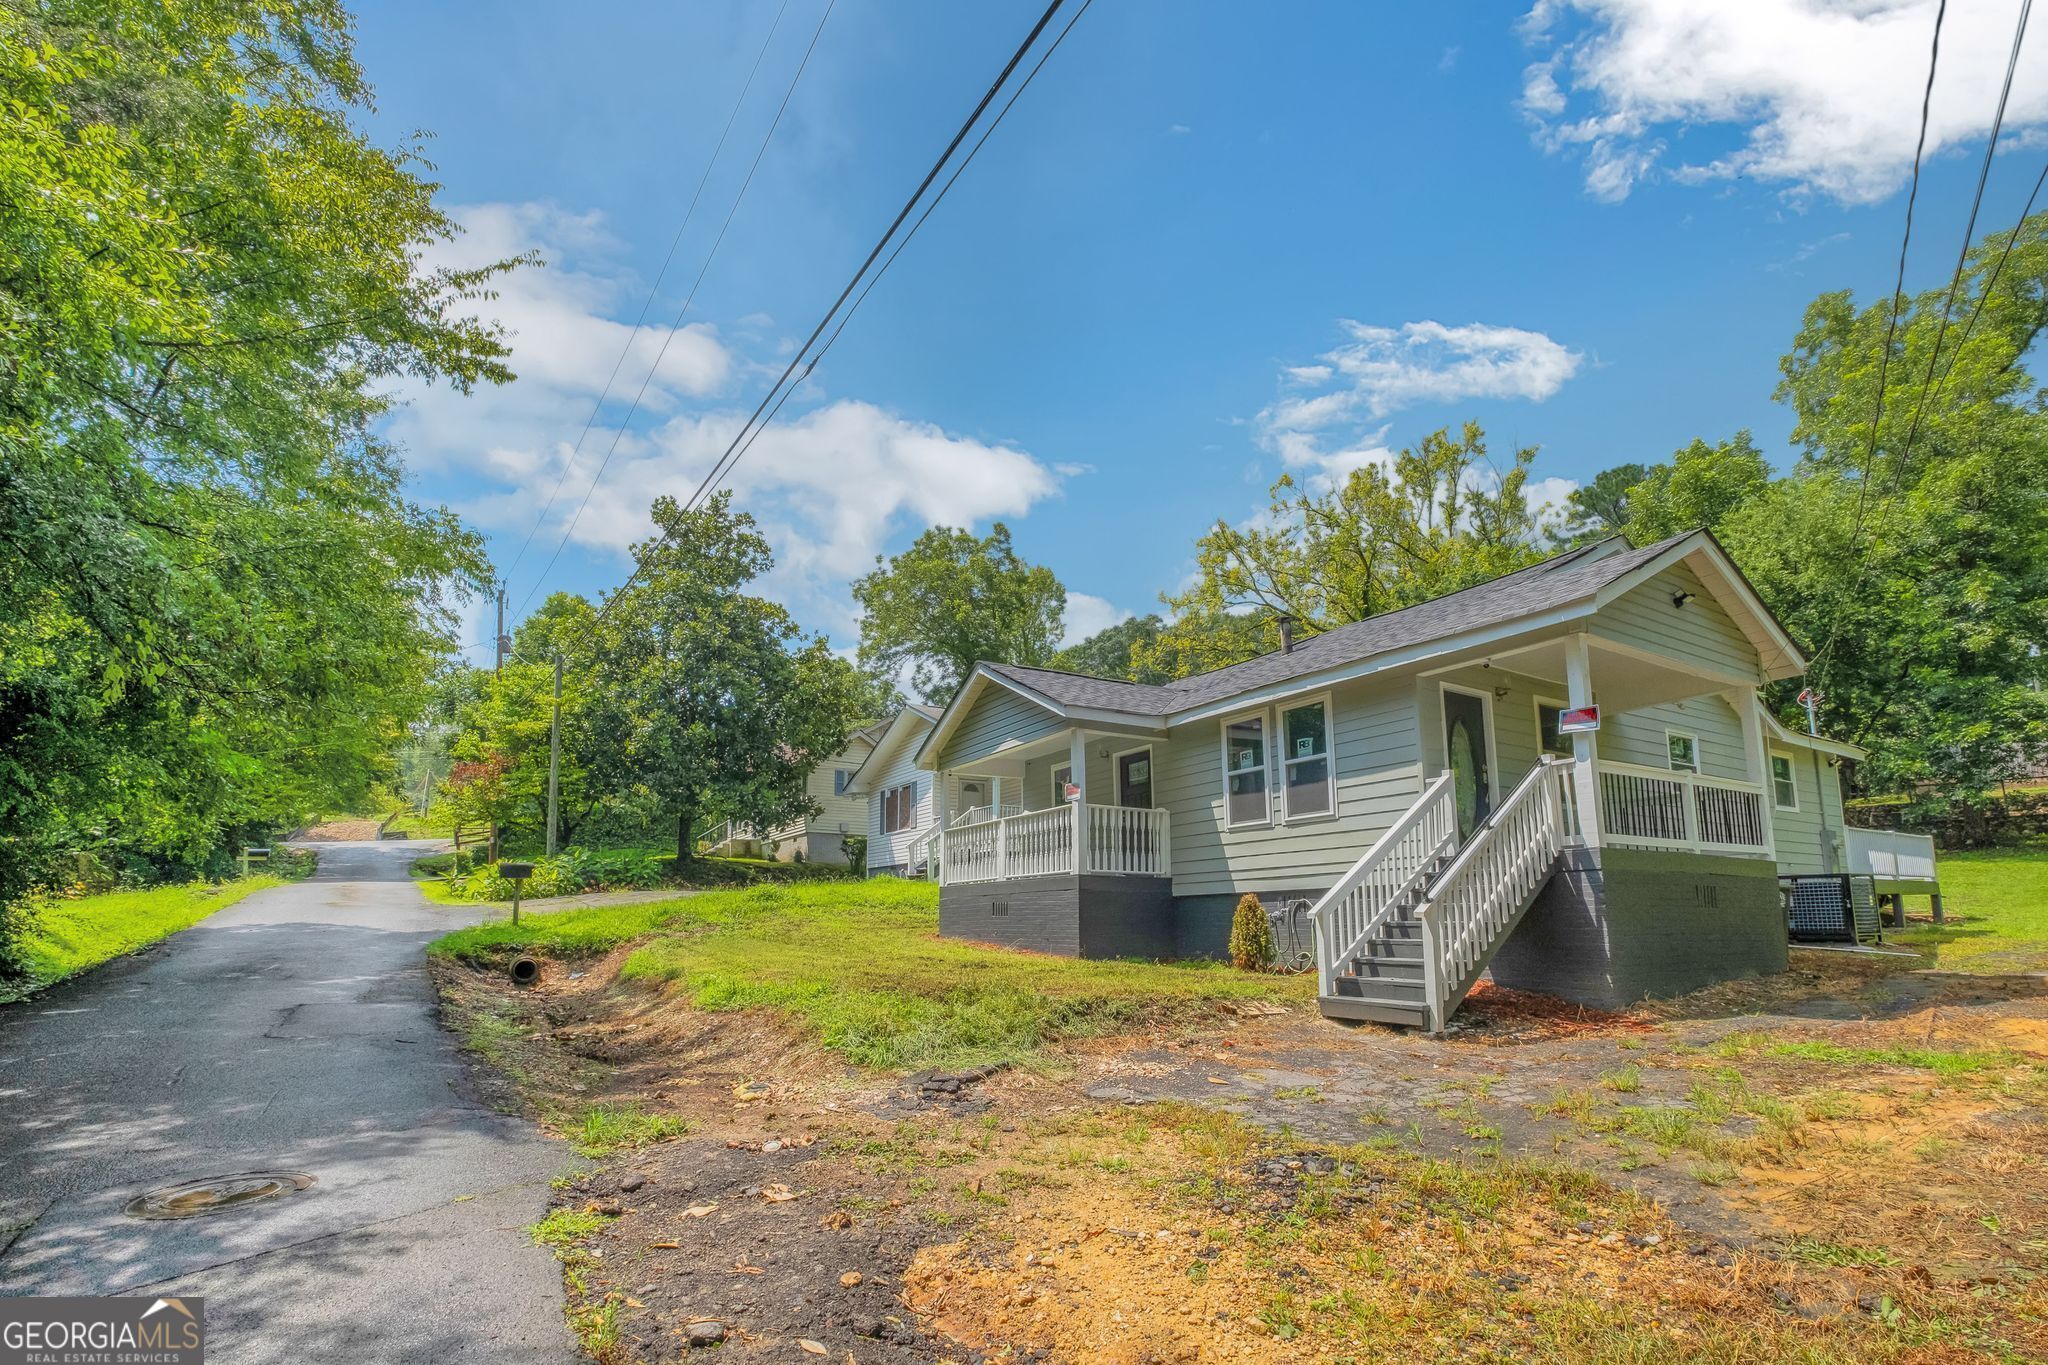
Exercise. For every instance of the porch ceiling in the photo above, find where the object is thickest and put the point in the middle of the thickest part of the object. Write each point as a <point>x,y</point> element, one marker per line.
<point>1623,680</point>
<point>1009,763</point>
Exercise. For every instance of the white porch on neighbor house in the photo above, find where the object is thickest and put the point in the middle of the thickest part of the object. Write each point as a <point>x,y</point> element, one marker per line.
<point>1065,829</point>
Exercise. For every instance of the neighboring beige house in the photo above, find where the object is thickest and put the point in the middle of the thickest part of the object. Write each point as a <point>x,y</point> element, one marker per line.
<point>902,812</point>
<point>1563,776</point>
<point>818,838</point>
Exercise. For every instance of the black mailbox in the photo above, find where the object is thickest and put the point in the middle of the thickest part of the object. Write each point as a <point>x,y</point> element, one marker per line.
<point>517,872</point>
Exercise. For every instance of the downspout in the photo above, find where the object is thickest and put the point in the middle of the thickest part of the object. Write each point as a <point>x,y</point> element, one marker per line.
<point>1820,796</point>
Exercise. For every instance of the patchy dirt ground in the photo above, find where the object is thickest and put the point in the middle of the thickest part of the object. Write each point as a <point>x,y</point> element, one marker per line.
<point>1849,1161</point>
<point>339,832</point>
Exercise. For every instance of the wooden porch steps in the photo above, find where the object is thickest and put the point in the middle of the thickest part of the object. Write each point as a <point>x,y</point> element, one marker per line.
<point>1383,980</point>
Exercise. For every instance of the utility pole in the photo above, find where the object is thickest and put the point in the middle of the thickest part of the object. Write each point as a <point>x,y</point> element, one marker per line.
<point>555,760</point>
<point>500,638</point>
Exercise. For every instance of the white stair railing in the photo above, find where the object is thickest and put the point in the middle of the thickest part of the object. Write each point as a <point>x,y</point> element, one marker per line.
<point>1396,864</point>
<point>1491,881</point>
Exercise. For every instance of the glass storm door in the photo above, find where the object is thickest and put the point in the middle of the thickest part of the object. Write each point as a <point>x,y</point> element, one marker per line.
<point>1465,755</point>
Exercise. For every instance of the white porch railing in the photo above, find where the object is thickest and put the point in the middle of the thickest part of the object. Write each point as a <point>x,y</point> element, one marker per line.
<point>1128,841</point>
<point>1119,840</point>
<point>1892,855</point>
<point>975,815</point>
<point>1491,881</point>
<point>1660,808</point>
<point>1396,865</point>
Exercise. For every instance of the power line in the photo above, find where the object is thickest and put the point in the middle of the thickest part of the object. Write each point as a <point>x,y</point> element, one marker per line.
<point>882,242</point>
<point>1962,259</point>
<point>676,326</point>
<point>778,392</point>
<point>661,274</point>
<point>1892,323</point>
<point>873,280</point>
<point>1929,388</point>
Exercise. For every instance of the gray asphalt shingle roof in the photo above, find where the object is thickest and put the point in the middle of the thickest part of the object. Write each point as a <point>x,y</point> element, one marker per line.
<point>1556,582</point>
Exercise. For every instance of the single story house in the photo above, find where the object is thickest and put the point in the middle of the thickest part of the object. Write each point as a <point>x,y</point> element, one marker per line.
<point>1563,777</point>
<point>816,838</point>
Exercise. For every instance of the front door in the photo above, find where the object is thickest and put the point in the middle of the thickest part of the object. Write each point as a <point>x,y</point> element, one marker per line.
<point>1134,779</point>
<point>1465,750</point>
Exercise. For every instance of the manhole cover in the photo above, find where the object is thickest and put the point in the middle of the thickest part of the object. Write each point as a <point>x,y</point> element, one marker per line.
<point>196,1198</point>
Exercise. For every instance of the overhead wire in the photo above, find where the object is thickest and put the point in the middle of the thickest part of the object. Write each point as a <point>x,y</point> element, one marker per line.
<point>653,290</point>
<point>662,352</point>
<point>874,279</point>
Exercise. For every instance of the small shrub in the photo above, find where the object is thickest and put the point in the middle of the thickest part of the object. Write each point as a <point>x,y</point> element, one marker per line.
<point>1251,936</point>
<point>855,847</point>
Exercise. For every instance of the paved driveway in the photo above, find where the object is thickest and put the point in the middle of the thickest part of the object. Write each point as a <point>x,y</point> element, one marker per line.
<point>294,1031</point>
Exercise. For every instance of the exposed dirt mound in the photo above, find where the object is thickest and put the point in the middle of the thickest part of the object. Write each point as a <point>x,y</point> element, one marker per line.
<point>339,832</point>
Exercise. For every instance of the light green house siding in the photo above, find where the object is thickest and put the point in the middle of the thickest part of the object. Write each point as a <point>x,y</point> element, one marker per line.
<point>1378,776</point>
<point>998,719</point>
<point>1701,632</point>
<point>1801,845</point>
<point>1642,737</point>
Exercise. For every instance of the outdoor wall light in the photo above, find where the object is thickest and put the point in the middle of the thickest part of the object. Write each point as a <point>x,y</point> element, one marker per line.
<point>1500,694</point>
<point>1679,599</point>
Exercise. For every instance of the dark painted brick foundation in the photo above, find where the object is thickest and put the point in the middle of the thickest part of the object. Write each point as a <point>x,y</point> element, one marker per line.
<point>1073,916</point>
<point>1609,929</point>
<point>1620,924</point>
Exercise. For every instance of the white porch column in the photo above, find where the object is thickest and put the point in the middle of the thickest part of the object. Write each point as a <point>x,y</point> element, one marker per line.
<point>1578,685</point>
<point>935,846</point>
<point>1756,761</point>
<point>995,798</point>
<point>1077,755</point>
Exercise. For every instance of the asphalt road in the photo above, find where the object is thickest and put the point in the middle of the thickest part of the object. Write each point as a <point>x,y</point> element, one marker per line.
<point>294,1031</point>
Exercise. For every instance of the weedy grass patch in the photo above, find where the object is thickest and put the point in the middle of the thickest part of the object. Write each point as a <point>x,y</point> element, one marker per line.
<point>861,967</point>
<point>66,937</point>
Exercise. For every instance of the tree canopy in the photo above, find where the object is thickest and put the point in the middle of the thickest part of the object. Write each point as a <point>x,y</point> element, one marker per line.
<point>1908,555</point>
<point>1440,518</point>
<point>953,599</point>
<point>217,606</point>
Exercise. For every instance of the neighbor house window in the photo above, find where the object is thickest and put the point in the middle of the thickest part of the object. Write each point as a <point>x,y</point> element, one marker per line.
<point>1244,772</point>
<point>1685,751</point>
<point>840,777</point>
<point>1783,789</point>
<point>1061,776</point>
<point>1549,738</point>
<point>1305,760</point>
<point>899,808</point>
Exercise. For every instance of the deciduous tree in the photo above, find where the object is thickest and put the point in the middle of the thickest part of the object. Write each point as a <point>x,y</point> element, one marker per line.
<point>953,599</point>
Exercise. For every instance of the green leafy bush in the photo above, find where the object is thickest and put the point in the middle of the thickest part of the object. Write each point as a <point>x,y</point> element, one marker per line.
<point>1251,936</point>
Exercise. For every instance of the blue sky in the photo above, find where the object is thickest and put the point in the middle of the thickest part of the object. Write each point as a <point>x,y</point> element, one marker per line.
<point>1212,242</point>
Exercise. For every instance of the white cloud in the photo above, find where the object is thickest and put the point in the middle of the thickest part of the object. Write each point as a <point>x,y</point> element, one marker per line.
<point>1823,95</point>
<point>1325,423</point>
<point>1088,615</point>
<point>829,485</point>
<point>1179,129</point>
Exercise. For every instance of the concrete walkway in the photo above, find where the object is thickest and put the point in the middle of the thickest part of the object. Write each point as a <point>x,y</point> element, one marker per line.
<point>294,1031</point>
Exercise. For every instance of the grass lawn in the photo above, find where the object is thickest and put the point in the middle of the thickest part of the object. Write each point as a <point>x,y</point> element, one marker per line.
<point>861,967</point>
<point>2001,896</point>
<point>69,936</point>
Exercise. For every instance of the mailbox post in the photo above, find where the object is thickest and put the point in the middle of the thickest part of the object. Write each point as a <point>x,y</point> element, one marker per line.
<point>517,873</point>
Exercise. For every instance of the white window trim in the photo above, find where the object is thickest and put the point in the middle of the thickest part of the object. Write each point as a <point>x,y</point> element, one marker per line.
<point>1494,794</point>
<point>1059,788</point>
<point>1265,718</point>
<point>1329,756</point>
<point>1536,710</point>
<point>910,807</point>
<point>1699,760</point>
<point>1116,786</point>
<point>1791,772</point>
